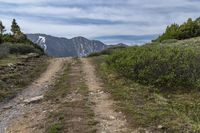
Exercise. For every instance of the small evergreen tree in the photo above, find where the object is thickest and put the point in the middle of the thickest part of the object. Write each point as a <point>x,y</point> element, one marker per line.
<point>198,20</point>
<point>15,29</point>
<point>170,33</point>
<point>187,30</point>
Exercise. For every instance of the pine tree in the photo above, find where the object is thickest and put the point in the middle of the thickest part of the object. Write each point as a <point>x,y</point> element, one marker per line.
<point>15,29</point>
<point>198,20</point>
<point>2,28</point>
<point>170,33</point>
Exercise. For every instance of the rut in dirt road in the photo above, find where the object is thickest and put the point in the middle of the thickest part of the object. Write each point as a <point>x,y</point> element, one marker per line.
<point>12,118</point>
<point>109,120</point>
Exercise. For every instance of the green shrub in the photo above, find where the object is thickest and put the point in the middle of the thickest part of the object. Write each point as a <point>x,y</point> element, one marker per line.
<point>1,39</point>
<point>4,51</point>
<point>8,38</point>
<point>23,49</point>
<point>94,54</point>
<point>167,67</point>
<point>23,39</point>
<point>56,128</point>
<point>107,51</point>
<point>169,41</point>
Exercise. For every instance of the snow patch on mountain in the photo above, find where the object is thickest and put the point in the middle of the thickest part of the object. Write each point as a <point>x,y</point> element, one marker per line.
<point>42,42</point>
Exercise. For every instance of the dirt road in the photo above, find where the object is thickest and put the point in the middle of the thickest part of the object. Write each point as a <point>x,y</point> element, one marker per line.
<point>86,108</point>
<point>109,120</point>
<point>11,112</point>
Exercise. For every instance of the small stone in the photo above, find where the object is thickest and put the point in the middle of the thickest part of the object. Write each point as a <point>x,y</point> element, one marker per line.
<point>160,126</point>
<point>44,111</point>
<point>112,117</point>
<point>34,99</point>
<point>101,92</point>
<point>10,65</point>
<point>33,55</point>
<point>7,107</point>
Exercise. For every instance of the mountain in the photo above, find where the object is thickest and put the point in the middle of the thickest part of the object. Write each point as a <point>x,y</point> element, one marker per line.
<point>122,44</point>
<point>63,47</point>
<point>119,45</point>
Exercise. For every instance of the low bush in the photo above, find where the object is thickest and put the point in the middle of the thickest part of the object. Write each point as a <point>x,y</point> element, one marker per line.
<point>4,51</point>
<point>55,128</point>
<point>1,39</point>
<point>107,51</point>
<point>169,41</point>
<point>165,67</point>
<point>8,38</point>
<point>21,44</point>
<point>23,49</point>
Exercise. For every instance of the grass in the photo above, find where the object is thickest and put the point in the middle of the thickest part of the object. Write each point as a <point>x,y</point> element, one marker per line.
<point>60,88</point>
<point>69,96</point>
<point>19,74</point>
<point>147,108</point>
<point>55,119</point>
<point>10,59</point>
<point>56,128</point>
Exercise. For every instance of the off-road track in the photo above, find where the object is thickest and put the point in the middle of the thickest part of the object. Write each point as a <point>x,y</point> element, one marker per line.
<point>20,116</point>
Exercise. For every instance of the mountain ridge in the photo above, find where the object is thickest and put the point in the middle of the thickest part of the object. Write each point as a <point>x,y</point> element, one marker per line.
<point>64,47</point>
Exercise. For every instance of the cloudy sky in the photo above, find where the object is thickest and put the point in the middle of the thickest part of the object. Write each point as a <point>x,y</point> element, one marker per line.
<point>111,21</point>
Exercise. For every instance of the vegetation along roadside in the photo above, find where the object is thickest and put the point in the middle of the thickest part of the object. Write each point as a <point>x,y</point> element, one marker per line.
<point>156,87</point>
<point>21,61</point>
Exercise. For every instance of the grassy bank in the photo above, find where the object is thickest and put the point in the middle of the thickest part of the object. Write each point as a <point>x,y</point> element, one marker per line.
<point>16,72</point>
<point>21,62</point>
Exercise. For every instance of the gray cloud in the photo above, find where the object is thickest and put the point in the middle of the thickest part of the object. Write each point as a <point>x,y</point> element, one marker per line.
<point>95,18</point>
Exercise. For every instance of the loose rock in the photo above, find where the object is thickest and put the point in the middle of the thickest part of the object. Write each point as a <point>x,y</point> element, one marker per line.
<point>34,99</point>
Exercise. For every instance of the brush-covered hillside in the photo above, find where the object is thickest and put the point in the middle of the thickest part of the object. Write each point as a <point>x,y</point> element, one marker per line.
<point>20,61</point>
<point>156,85</point>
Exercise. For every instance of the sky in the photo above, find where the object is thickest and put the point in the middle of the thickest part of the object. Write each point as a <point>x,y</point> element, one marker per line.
<point>110,21</point>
